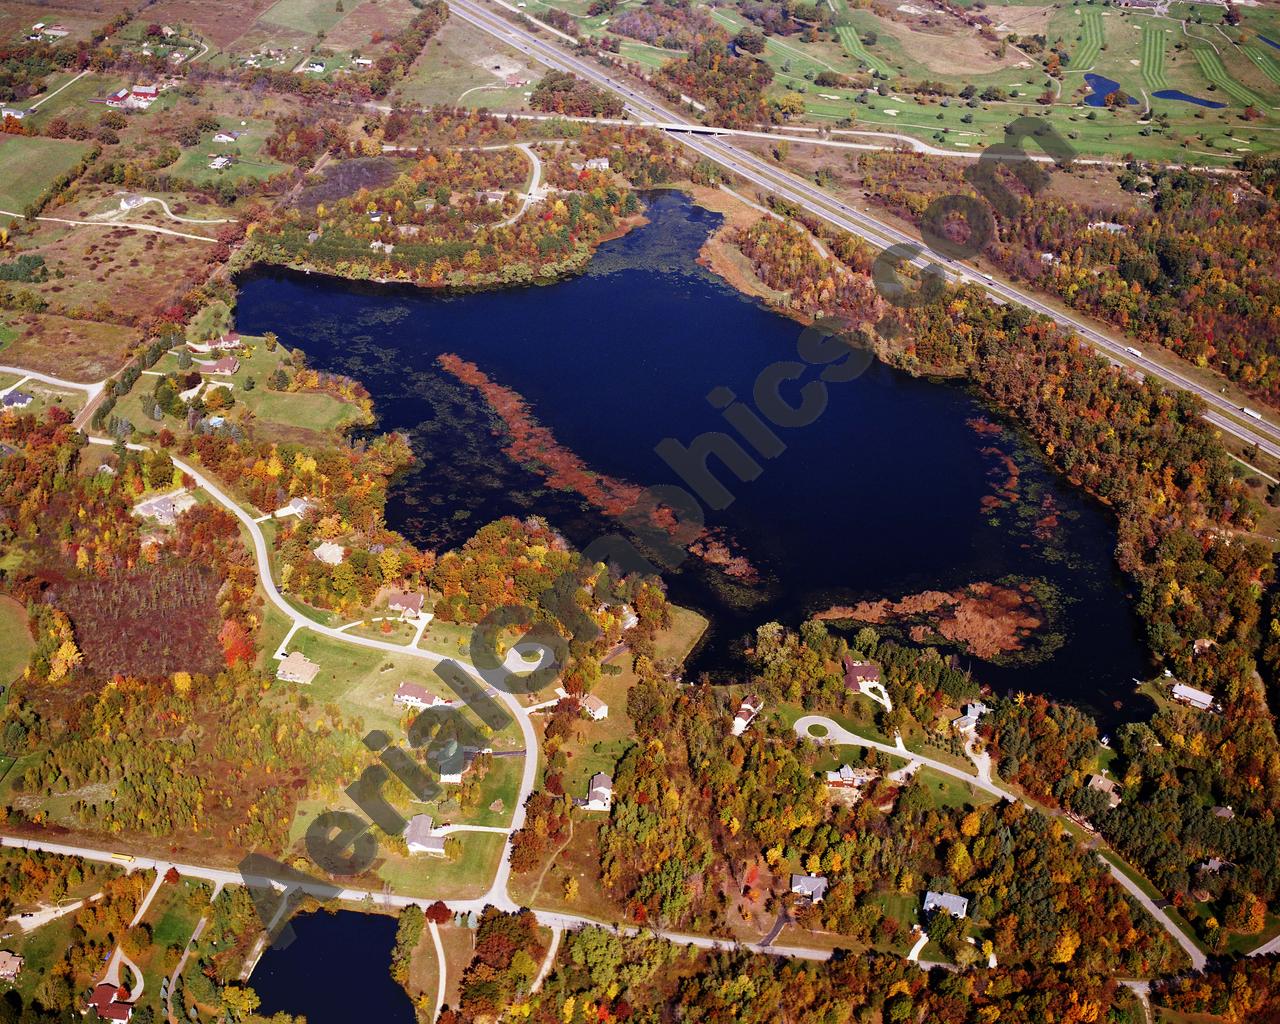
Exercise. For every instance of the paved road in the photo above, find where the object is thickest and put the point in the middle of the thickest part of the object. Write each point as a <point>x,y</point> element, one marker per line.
<point>442,972</point>
<point>835,733</point>
<point>838,213</point>
<point>92,392</point>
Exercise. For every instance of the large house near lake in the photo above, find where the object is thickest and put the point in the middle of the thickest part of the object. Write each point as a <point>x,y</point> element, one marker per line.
<point>863,677</point>
<point>1107,787</point>
<point>747,712</point>
<point>1197,699</point>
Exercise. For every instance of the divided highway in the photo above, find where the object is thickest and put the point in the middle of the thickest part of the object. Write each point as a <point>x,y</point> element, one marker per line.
<point>840,214</point>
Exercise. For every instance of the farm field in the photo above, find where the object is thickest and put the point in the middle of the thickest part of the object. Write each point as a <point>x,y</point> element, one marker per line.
<point>307,16</point>
<point>98,262</point>
<point>28,165</point>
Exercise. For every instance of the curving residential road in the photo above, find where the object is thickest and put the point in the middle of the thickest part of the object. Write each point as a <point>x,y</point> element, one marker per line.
<point>497,894</point>
<point>836,733</point>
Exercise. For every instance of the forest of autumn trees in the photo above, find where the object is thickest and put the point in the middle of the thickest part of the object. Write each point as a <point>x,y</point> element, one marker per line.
<point>1188,266</point>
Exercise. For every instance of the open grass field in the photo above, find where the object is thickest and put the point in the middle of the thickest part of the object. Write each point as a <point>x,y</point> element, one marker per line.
<point>308,16</point>
<point>853,44</point>
<point>99,264</point>
<point>366,22</point>
<point>1215,71</point>
<point>1090,40</point>
<point>250,159</point>
<point>15,640</point>
<point>362,682</point>
<point>79,350</point>
<point>29,164</point>
<point>219,22</point>
<point>73,101</point>
<point>462,65</point>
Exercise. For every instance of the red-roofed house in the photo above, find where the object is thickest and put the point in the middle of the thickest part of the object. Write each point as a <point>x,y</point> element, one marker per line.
<point>110,1003</point>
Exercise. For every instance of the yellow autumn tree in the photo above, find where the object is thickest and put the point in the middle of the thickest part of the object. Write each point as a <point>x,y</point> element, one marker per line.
<point>1065,947</point>
<point>64,659</point>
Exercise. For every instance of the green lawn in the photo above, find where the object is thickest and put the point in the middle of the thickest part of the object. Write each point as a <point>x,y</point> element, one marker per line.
<point>1086,55</point>
<point>1215,71</point>
<point>308,410</point>
<point>251,161</point>
<point>466,877</point>
<point>15,640</point>
<point>1153,44</point>
<point>363,681</point>
<point>947,791</point>
<point>29,164</point>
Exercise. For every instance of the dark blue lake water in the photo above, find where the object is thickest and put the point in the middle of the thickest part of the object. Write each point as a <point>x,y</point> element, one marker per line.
<point>881,497</point>
<point>1270,42</point>
<point>336,971</point>
<point>1101,87</point>
<point>1178,94</point>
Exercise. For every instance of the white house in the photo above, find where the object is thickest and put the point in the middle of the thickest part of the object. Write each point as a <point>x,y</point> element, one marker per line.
<point>747,712</point>
<point>972,713</point>
<point>330,553</point>
<point>14,112</point>
<point>956,906</point>
<point>811,887</point>
<point>421,836</point>
<point>599,793</point>
<point>1198,699</point>
<point>597,709</point>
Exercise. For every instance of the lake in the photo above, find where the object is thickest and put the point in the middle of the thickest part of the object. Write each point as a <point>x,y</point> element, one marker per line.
<point>903,485</point>
<point>1178,94</point>
<point>337,970</point>
<point>1100,88</point>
